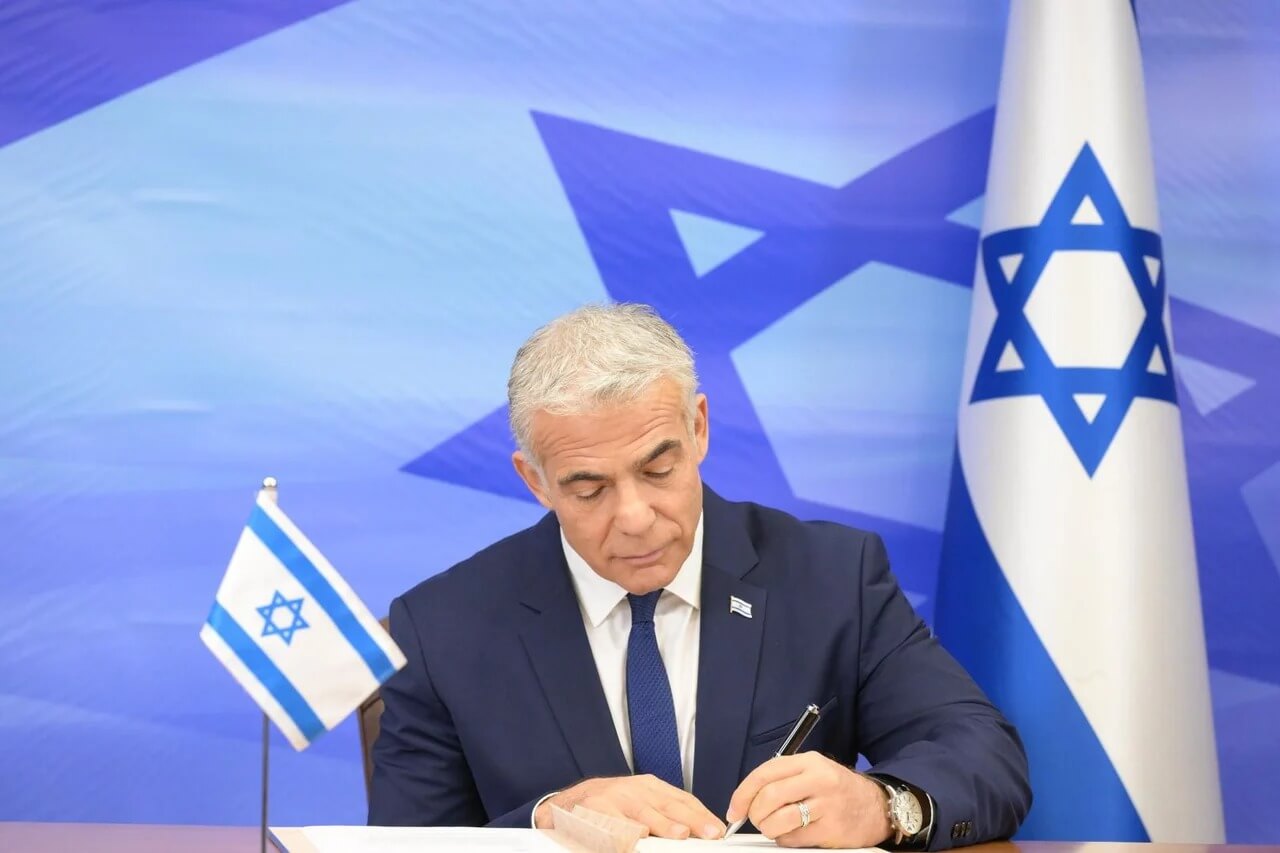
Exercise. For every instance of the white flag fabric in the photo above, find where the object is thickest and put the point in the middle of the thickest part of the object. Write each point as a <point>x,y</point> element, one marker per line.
<point>292,631</point>
<point>1069,585</point>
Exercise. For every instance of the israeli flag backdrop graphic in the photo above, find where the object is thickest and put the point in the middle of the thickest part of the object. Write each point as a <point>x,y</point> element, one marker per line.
<point>1068,583</point>
<point>292,631</point>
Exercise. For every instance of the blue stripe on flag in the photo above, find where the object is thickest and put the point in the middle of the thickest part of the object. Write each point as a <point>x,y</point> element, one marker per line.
<point>1078,794</point>
<point>275,681</point>
<point>288,553</point>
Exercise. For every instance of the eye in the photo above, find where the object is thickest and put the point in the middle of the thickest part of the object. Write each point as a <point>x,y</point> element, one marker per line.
<point>660,475</point>
<point>591,495</point>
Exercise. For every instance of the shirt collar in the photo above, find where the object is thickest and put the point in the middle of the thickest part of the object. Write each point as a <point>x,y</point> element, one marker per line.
<point>599,596</point>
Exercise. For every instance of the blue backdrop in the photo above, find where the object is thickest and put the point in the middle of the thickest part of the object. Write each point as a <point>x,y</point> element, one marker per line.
<point>304,238</point>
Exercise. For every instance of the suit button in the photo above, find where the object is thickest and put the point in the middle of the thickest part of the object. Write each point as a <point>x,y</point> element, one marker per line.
<point>956,829</point>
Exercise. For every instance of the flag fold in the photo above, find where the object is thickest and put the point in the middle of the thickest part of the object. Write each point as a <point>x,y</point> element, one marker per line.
<point>292,631</point>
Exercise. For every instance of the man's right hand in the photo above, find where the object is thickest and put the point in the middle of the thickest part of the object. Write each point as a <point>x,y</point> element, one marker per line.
<point>667,811</point>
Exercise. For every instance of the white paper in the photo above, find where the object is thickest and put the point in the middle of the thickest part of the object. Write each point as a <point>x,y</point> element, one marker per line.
<point>419,839</point>
<point>742,839</point>
<point>435,839</point>
<point>668,845</point>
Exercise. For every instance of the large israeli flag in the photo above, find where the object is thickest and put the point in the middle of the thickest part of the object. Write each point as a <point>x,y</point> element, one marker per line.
<point>292,632</point>
<point>1069,584</point>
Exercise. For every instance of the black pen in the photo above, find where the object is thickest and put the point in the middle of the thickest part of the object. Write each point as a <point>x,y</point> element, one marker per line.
<point>790,746</point>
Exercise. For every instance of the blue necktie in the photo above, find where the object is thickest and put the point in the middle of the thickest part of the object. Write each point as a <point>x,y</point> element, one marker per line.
<point>655,744</point>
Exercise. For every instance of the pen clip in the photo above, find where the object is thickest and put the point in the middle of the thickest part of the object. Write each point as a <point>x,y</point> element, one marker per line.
<point>799,731</point>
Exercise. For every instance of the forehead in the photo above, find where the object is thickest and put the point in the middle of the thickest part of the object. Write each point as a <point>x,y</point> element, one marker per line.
<point>613,433</point>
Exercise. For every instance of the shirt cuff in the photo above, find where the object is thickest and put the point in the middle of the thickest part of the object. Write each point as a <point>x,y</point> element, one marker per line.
<point>533,815</point>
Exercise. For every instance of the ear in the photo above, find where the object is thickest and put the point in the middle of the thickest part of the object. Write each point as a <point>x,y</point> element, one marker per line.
<point>701,427</point>
<point>532,477</point>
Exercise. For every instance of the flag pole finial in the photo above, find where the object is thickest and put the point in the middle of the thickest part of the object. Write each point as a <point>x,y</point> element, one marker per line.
<point>269,483</point>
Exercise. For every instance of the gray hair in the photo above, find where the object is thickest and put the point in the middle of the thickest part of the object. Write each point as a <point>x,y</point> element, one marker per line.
<point>595,356</point>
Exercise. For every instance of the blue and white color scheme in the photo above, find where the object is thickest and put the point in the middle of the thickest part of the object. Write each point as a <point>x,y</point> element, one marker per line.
<point>307,236</point>
<point>292,632</point>
<point>1069,584</point>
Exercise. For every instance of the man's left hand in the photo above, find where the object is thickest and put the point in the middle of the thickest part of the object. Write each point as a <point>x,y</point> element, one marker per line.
<point>845,808</point>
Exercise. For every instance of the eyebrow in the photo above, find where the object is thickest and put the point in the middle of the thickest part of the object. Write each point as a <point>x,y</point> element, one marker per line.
<point>581,477</point>
<point>663,447</point>
<point>593,477</point>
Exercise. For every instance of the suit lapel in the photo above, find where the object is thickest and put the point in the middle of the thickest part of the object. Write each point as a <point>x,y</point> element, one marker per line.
<point>556,642</point>
<point>729,654</point>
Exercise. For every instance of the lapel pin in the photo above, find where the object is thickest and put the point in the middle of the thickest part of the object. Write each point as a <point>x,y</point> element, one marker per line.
<point>737,605</point>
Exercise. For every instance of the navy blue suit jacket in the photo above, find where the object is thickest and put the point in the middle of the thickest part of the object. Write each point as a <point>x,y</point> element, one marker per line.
<point>500,702</point>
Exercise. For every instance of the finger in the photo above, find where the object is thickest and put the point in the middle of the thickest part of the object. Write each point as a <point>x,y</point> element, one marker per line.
<point>785,819</point>
<point>782,796</point>
<point>771,771</point>
<point>693,815</point>
<point>604,805</point>
<point>659,824</point>
<point>811,836</point>
<point>683,806</point>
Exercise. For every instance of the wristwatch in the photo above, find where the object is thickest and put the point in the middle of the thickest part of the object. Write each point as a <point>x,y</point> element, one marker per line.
<point>910,815</point>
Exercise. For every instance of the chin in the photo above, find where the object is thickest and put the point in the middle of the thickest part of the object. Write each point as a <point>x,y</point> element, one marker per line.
<point>648,578</point>
<point>645,577</point>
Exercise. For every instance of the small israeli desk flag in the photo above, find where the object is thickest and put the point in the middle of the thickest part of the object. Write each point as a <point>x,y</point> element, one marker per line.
<point>1068,586</point>
<point>292,632</point>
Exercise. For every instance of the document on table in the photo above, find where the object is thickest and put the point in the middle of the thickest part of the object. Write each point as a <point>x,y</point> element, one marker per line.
<point>411,839</point>
<point>742,839</point>
<point>668,845</point>
<point>440,839</point>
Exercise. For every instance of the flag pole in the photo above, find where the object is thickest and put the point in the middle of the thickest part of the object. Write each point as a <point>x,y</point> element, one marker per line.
<point>262,829</point>
<point>269,491</point>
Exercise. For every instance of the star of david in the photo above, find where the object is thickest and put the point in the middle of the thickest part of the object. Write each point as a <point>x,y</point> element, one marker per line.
<point>1089,403</point>
<point>293,609</point>
<point>622,189</point>
<point>1218,468</point>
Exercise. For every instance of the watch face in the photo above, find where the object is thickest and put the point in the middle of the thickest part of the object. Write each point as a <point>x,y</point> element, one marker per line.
<point>906,812</point>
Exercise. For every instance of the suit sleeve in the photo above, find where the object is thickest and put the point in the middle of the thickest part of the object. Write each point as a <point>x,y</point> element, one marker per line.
<point>922,719</point>
<point>420,774</point>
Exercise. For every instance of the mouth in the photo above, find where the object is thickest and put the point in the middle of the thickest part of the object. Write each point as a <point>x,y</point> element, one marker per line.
<point>640,561</point>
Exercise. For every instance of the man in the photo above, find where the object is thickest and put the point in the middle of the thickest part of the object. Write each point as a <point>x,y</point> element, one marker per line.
<point>644,649</point>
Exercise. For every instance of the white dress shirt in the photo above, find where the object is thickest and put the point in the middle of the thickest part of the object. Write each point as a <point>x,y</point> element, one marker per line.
<point>606,613</point>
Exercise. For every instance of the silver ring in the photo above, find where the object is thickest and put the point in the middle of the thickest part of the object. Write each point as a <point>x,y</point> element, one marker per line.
<point>804,813</point>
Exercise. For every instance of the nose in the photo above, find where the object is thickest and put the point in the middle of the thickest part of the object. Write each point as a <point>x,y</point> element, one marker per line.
<point>635,515</point>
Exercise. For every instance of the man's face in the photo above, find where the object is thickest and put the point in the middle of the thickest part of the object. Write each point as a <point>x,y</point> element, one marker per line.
<point>624,483</point>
